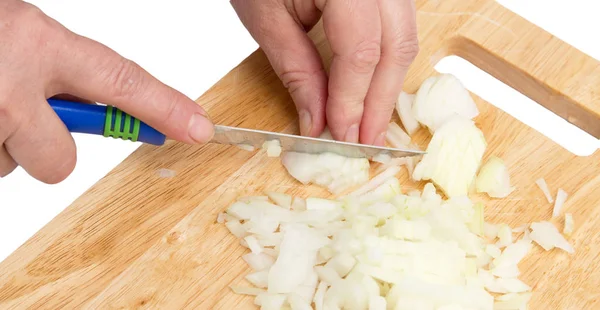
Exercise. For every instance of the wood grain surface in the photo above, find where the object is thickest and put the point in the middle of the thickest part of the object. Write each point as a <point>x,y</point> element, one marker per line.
<point>138,241</point>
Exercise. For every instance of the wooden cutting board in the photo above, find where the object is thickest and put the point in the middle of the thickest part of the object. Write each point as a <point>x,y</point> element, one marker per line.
<point>135,240</point>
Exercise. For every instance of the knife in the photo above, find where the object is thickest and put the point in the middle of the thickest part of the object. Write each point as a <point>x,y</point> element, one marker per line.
<point>109,121</point>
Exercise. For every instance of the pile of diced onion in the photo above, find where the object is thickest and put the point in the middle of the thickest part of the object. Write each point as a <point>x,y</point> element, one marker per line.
<point>377,247</point>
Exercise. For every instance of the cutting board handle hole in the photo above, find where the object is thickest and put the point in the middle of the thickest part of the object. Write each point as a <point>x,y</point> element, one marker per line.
<point>521,107</point>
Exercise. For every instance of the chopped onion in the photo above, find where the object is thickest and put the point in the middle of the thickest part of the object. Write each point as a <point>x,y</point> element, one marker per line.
<point>396,137</point>
<point>494,179</point>
<point>541,183</point>
<point>298,204</point>
<point>246,147</point>
<point>320,295</point>
<point>272,147</point>
<point>377,248</point>
<point>490,230</point>
<point>382,158</point>
<point>268,301</point>
<point>253,244</point>
<point>298,303</point>
<point>376,181</point>
<point>258,262</point>
<point>569,224</point>
<point>259,278</point>
<point>378,303</point>
<point>512,301</point>
<point>453,157</point>
<point>441,97</point>
<point>505,236</point>
<point>561,197</point>
<point>236,228</point>
<point>548,237</point>
<point>335,172</point>
<point>404,109</point>
<point>282,200</point>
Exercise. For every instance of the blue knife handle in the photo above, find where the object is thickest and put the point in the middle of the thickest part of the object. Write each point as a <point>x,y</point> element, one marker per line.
<point>105,121</point>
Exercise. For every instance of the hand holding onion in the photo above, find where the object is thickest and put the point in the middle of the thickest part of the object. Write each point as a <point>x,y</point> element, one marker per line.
<point>373,43</point>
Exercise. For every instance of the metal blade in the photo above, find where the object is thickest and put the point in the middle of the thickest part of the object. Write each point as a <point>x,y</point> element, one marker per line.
<point>256,138</point>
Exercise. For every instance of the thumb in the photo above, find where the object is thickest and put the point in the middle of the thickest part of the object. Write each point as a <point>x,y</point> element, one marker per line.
<point>97,73</point>
<point>293,56</point>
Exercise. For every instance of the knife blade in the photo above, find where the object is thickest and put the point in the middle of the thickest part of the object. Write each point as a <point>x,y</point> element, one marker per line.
<point>256,138</point>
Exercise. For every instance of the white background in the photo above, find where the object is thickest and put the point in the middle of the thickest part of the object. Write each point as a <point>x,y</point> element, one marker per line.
<point>191,44</point>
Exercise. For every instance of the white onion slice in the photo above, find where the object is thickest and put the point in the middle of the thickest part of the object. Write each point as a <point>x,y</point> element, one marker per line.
<point>376,181</point>
<point>272,147</point>
<point>259,278</point>
<point>561,197</point>
<point>404,109</point>
<point>246,147</point>
<point>281,199</point>
<point>396,137</point>
<point>494,179</point>
<point>453,157</point>
<point>541,183</point>
<point>547,236</point>
<point>335,172</point>
<point>441,97</point>
<point>569,224</point>
<point>268,301</point>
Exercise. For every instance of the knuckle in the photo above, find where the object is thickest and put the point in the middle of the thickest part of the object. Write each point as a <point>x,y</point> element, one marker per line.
<point>32,28</point>
<point>404,49</point>
<point>366,56</point>
<point>293,80</point>
<point>124,79</point>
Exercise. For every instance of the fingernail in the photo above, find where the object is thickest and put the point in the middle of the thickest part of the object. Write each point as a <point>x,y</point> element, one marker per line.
<point>352,134</point>
<point>380,140</point>
<point>305,122</point>
<point>200,128</point>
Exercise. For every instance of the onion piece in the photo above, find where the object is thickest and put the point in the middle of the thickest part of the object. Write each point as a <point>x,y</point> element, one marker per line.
<point>504,236</point>
<point>298,303</point>
<point>320,295</point>
<point>541,183</point>
<point>569,224</point>
<point>258,262</point>
<point>281,199</point>
<point>404,109</point>
<point>259,278</point>
<point>396,137</point>
<point>561,197</point>
<point>512,301</point>
<point>272,147</point>
<point>490,230</point>
<point>382,158</point>
<point>333,171</point>
<point>453,157</point>
<point>236,228</point>
<point>268,301</point>
<point>246,147</point>
<point>494,179</point>
<point>378,303</point>
<point>548,237</point>
<point>376,181</point>
<point>441,97</point>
